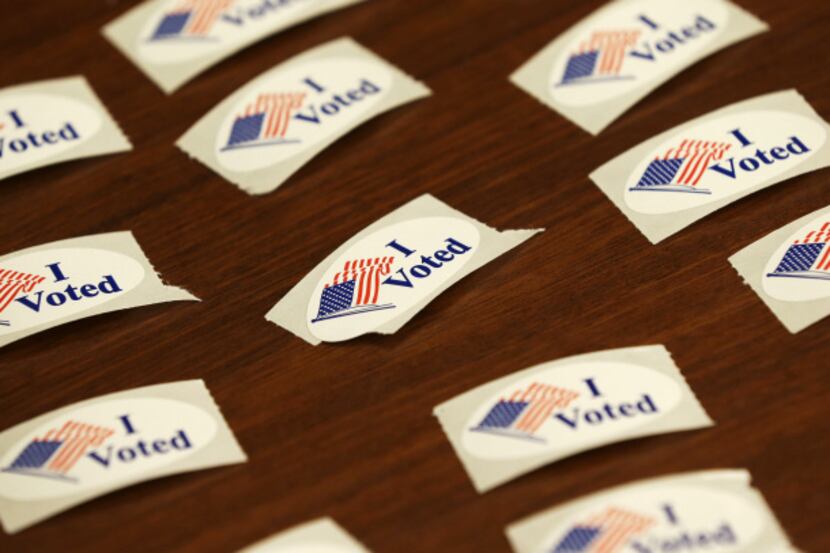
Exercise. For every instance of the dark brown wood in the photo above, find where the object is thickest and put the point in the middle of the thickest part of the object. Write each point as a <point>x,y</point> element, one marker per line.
<point>347,430</point>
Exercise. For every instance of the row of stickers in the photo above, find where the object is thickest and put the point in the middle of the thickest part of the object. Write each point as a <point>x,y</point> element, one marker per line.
<point>500,430</point>
<point>384,275</point>
<point>375,282</point>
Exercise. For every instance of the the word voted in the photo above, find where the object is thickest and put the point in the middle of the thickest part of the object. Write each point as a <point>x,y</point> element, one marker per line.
<point>760,158</point>
<point>407,277</point>
<point>335,103</point>
<point>673,40</point>
<point>107,457</point>
<point>34,140</point>
<point>722,535</point>
<point>608,412</point>
<point>71,293</point>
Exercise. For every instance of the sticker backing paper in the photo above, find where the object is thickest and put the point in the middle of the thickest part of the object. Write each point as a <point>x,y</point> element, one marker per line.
<point>716,511</point>
<point>789,269</point>
<point>88,449</point>
<point>678,177</point>
<point>388,272</point>
<point>56,283</point>
<point>172,41</point>
<point>263,133</point>
<point>50,122</point>
<point>320,536</point>
<point>608,62</point>
<point>539,415</point>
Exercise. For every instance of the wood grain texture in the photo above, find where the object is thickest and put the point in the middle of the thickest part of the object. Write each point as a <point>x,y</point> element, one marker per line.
<point>346,430</point>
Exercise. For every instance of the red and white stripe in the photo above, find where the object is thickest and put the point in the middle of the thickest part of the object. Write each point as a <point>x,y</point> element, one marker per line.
<point>543,400</point>
<point>367,274</point>
<point>77,439</point>
<point>618,527</point>
<point>278,109</point>
<point>612,47</point>
<point>698,155</point>
<point>821,235</point>
<point>14,283</point>
<point>203,13</point>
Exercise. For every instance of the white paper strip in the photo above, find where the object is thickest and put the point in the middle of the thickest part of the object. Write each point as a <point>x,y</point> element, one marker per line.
<point>678,177</point>
<point>88,449</point>
<point>388,272</point>
<point>540,415</point>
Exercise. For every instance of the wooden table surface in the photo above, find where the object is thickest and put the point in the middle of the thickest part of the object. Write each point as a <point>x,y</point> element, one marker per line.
<point>347,430</point>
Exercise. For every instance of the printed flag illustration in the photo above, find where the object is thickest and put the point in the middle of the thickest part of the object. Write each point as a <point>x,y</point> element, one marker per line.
<point>14,283</point>
<point>265,121</point>
<point>55,454</point>
<point>526,411</point>
<point>789,270</point>
<point>191,19</point>
<point>808,257</point>
<point>680,169</point>
<point>608,532</point>
<point>600,58</point>
<point>355,289</point>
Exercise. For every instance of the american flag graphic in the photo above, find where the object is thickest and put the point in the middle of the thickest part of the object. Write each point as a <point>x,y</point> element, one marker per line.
<point>14,283</point>
<point>600,58</point>
<point>355,289</point>
<point>525,411</point>
<point>609,532</point>
<point>265,120</point>
<point>59,450</point>
<point>681,169</point>
<point>191,19</point>
<point>808,257</point>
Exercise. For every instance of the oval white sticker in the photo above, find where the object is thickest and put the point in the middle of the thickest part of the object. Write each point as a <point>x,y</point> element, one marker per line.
<point>721,158</point>
<point>387,273</point>
<point>568,408</point>
<point>103,445</point>
<point>664,519</point>
<point>633,45</point>
<point>292,110</point>
<point>40,126</point>
<point>57,284</point>
<point>182,31</point>
<point>799,270</point>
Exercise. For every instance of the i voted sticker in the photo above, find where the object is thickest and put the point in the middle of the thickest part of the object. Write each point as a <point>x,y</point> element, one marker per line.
<point>319,536</point>
<point>674,179</point>
<point>378,279</point>
<point>262,134</point>
<point>172,41</point>
<point>543,414</point>
<point>714,511</point>
<point>54,121</point>
<point>56,283</point>
<point>383,276</point>
<point>722,158</point>
<point>292,111</point>
<point>85,450</point>
<point>608,62</point>
<point>790,270</point>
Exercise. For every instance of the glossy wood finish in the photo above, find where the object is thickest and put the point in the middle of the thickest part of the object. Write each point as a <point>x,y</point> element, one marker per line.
<point>347,430</point>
